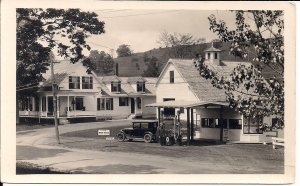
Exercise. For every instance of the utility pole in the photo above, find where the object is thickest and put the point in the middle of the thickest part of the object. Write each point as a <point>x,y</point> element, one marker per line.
<point>54,86</point>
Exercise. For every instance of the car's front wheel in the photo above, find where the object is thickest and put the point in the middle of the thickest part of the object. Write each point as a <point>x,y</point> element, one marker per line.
<point>147,138</point>
<point>121,137</point>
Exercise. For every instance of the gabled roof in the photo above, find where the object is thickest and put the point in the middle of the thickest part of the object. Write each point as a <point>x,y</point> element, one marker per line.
<point>59,77</point>
<point>61,70</point>
<point>127,89</point>
<point>109,79</point>
<point>201,87</point>
<point>136,79</point>
<point>212,49</point>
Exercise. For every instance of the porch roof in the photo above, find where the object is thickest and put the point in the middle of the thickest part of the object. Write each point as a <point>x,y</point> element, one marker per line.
<point>186,104</point>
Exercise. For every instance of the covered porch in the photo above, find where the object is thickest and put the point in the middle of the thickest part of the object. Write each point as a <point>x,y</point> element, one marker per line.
<point>67,107</point>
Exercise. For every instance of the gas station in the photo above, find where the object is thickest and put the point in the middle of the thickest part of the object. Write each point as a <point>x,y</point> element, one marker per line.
<point>190,107</point>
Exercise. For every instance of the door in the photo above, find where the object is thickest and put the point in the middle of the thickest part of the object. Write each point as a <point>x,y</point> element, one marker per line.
<point>50,105</point>
<point>132,106</point>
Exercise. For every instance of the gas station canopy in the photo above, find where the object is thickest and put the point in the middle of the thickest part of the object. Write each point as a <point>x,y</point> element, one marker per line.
<point>187,104</point>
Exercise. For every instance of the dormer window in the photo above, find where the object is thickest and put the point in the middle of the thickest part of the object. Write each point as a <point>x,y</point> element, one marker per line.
<point>140,87</point>
<point>115,86</point>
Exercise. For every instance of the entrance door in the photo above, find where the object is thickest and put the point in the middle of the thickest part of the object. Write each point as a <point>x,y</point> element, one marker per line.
<point>50,105</point>
<point>132,106</point>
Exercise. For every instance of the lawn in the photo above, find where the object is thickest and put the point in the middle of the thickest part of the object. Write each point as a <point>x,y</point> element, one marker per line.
<point>254,158</point>
<point>29,168</point>
<point>31,126</point>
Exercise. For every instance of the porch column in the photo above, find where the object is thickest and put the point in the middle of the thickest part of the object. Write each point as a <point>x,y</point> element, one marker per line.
<point>74,106</point>
<point>135,105</point>
<point>40,108</point>
<point>158,115</point>
<point>33,103</point>
<point>192,124</point>
<point>188,126</point>
<point>221,124</point>
<point>47,104</point>
<point>58,105</point>
<point>68,108</point>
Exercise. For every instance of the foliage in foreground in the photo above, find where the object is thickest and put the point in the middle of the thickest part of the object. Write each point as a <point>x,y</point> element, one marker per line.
<point>247,89</point>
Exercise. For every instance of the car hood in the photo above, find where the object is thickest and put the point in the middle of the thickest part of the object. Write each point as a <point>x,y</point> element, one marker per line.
<point>127,129</point>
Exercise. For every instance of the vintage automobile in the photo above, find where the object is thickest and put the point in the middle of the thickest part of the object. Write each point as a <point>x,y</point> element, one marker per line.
<point>141,129</point>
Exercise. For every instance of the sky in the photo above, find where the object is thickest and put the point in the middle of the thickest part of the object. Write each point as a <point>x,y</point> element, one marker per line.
<point>141,28</point>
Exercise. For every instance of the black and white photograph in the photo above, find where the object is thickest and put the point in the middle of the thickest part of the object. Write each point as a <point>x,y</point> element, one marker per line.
<point>153,91</point>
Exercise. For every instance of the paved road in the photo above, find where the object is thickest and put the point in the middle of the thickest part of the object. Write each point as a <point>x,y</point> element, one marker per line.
<point>39,147</point>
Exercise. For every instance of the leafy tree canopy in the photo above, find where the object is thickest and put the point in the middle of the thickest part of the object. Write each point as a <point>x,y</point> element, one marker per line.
<point>124,50</point>
<point>153,67</point>
<point>249,89</point>
<point>40,31</point>
<point>103,62</point>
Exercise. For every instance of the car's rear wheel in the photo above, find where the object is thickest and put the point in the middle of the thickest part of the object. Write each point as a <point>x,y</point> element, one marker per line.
<point>147,138</point>
<point>121,137</point>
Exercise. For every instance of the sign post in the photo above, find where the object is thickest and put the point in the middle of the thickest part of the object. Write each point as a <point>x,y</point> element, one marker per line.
<point>106,132</point>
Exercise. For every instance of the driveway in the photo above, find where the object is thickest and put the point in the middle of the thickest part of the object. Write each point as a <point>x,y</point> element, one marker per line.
<point>98,156</point>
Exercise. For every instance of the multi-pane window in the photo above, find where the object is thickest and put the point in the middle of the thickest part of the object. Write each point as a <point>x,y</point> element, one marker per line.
<point>116,87</point>
<point>213,123</point>
<point>140,87</point>
<point>100,103</point>
<point>235,123</point>
<point>74,82</point>
<point>105,104</point>
<point>123,101</point>
<point>87,82</point>
<point>208,122</point>
<point>139,102</point>
<point>109,104</point>
<point>171,76</point>
<point>251,125</point>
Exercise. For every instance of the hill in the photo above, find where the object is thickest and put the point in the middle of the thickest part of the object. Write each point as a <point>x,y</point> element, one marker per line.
<point>136,64</point>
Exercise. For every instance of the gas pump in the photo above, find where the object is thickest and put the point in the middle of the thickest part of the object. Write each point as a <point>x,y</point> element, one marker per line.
<point>177,128</point>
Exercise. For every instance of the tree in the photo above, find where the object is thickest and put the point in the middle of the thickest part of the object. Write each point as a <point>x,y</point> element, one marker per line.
<point>102,62</point>
<point>39,32</point>
<point>217,43</point>
<point>249,89</point>
<point>153,67</point>
<point>179,45</point>
<point>124,50</point>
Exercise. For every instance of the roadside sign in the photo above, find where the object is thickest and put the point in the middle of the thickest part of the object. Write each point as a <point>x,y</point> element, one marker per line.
<point>110,138</point>
<point>103,132</point>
